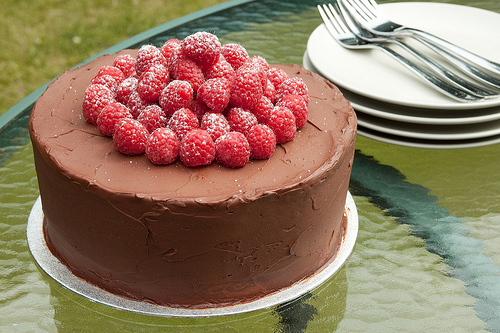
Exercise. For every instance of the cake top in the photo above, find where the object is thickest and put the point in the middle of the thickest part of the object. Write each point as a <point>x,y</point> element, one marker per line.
<point>80,150</point>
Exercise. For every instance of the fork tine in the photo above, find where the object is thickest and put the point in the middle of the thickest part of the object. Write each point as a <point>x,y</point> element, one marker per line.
<point>336,19</point>
<point>357,11</point>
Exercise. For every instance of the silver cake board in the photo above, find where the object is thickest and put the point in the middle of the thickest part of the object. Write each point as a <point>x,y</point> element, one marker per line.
<point>60,273</point>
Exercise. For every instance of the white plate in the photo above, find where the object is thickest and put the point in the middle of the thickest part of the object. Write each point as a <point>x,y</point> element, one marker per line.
<point>413,115</point>
<point>60,273</point>
<point>373,74</point>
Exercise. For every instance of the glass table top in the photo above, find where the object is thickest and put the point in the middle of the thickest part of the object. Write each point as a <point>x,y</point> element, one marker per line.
<point>427,256</point>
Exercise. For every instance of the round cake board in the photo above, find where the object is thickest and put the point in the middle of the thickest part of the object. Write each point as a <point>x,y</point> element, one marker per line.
<point>60,273</point>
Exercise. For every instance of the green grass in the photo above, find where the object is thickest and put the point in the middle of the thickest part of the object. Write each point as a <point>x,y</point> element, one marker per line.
<point>43,38</point>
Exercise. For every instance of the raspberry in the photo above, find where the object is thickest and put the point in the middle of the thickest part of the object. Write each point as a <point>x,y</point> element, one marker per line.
<point>241,120</point>
<point>262,110</point>
<point>282,122</point>
<point>221,69</point>
<point>246,89</point>
<point>113,72</point>
<point>260,61</point>
<point>215,124</point>
<point>152,82</point>
<point>146,56</point>
<point>298,106</point>
<point>169,47</point>
<point>182,121</point>
<point>125,89</point>
<point>270,91</point>
<point>262,141</point>
<point>125,63</point>
<point>106,80</point>
<point>188,70</point>
<point>276,76</point>
<point>152,117</point>
<point>162,146</point>
<point>232,150</point>
<point>199,109</point>
<point>136,104</point>
<point>175,56</point>
<point>235,54</point>
<point>294,85</point>
<point>130,137</point>
<point>215,93</point>
<point>96,98</point>
<point>201,47</point>
<point>197,148</point>
<point>176,95</point>
<point>110,115</point>
<point>257,67</point>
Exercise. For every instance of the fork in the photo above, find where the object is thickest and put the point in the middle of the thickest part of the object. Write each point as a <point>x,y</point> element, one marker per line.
<point>352,18</point>
<point>346,38</point>
<point>375,21</point>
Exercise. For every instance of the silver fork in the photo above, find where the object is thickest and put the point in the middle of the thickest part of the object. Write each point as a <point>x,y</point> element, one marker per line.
<point>352,18</point>
<point>471,64</point>
<point>341,33</point>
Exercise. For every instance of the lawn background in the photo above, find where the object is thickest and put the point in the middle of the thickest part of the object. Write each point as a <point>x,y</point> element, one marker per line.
<point>40,39</point>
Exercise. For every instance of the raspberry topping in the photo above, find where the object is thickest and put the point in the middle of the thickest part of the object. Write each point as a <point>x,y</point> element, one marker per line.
<point>215,93</point>
<point>262,141</point>
<point>110,115</point>
<point>232,150</point>
<point>177,95</point>
<point>130,137</point>
<point>162,146</point>
<point>190,96</point>
<point>282,122</point>
<point>197,148</point>
<point>182,121</point>
<point>241,120</point>
<point>96,98</point>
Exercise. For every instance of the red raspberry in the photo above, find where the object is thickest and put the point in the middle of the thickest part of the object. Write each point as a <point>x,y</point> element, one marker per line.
<point>182,121</point>
<point>294,85</point>
<point>235,54</point>
<point>215,93</point>
<point>130,137</point>
<point>257,67</point>
<point>106,80</point>
<point>215,124</point>
<point>169,47</point>
<point>201,47</point>
<point>197,148</point>
<point>136,104</point>
<point>112,71</point>
<point>276,76</point>
<point>262,110</point>
<point>110,115</point>
<point>298,106</point>
<point>241,120</point>
<point>188,70</point>
<point>125,89</point>
<point>199,109</point>
<point>176,95</point>
<point>282,122</point>
<point>172,62</point>
<point>247,88</point>
<point>96,98</point>
<point>270,91</point>
<point>146,56</point>
<point>262,141</point>
<point>232,150</point>
<point>162,146</point>
<point>152,82</point>
<point>260,61</point>
<point>125,63</point>
<point>152,117</point>
<point>221,69</point>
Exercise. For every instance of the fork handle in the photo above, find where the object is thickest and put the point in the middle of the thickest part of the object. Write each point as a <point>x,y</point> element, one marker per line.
<point>460,57</point>
<point>441,85</point>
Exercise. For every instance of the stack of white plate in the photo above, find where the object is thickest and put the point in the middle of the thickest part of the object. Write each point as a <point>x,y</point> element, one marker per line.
<point>392,104</point>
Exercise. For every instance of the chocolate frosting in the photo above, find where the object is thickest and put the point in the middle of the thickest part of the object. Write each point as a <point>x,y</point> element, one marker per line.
<point>191,237</point>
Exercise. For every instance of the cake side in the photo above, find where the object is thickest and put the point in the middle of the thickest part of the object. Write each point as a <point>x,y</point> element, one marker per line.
<point>191,237</point>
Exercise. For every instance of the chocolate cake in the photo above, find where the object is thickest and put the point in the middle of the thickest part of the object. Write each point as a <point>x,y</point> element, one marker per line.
<point>200,237</point>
